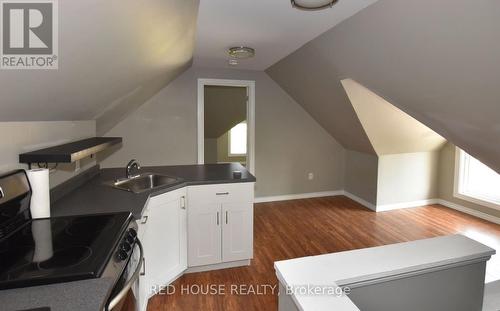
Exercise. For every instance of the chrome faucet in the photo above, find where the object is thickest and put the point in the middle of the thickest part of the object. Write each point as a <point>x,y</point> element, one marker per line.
<point>132,164</point>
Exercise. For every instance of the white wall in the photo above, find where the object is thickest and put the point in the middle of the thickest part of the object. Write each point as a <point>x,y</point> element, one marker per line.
<point>20,137</point>
<point>407,177</point>
<point>289,143</point>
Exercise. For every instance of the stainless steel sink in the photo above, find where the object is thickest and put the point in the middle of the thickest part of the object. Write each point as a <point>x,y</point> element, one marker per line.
<point>144,182</point>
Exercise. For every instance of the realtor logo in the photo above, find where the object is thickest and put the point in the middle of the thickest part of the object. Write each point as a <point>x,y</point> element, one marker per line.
<point>29,34</point>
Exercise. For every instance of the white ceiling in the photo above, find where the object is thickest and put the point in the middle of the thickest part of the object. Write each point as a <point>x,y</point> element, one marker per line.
<point>272,27</point>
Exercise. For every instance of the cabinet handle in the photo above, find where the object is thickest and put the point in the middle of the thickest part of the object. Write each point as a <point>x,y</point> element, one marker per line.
<point>217,218</point>
<point>227,217</point>
<point>143,266</point>
<point>144,219</point>
<point>183,202</point>
<point>222,193</point>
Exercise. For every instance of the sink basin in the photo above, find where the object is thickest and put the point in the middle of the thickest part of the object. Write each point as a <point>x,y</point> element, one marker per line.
<point>144,182</point>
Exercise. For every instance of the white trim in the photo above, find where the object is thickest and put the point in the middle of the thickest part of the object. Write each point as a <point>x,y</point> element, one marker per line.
<point>380,208</point>
<point>458,180</point>
<point>360,201</point>
<point>469,211</point>
<point>390,207</point>
<point>250,85</point>
<point>477,201</point>
<point>299,196</point>
<point>218,266</point>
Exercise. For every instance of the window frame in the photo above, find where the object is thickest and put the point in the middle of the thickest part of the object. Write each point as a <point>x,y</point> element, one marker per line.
<point>234,155</point>
<point>460,175</point>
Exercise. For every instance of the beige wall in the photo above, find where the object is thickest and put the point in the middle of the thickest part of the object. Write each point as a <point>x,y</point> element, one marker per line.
<point>361,173</point>
<point>225,107</point>
<point>407,177</point>
<point>289,143</point>
<point>210,149</point>
<point>446,181</point>
<point>20,137</point>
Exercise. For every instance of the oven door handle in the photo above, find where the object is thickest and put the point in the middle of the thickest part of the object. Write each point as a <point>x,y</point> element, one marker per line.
<point>121,295</point>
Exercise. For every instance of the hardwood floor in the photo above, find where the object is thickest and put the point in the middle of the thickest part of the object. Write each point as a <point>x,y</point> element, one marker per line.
<point>291,229</point>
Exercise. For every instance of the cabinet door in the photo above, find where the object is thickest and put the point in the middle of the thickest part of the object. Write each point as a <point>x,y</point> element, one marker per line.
<point>204,234</point>
<point>165,240</point>
<point>237,231</point>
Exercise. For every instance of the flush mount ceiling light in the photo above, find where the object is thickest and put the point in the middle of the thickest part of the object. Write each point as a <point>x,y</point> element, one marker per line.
<point>233,62</point>
<point>311,5</point>
<point>241,52</point>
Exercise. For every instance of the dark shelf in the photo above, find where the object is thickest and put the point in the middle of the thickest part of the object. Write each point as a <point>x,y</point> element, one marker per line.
<point>70,152</point>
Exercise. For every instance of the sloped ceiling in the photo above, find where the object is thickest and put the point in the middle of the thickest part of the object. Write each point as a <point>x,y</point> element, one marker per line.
<point>273,27</point>
<point>316,86</point>
<point>113,55</point>
<point>438,61</point>
<point>390,130</point>
<point>225,107</point>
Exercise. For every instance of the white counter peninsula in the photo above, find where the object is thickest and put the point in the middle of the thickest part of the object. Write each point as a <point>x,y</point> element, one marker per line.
<point>437,274</point>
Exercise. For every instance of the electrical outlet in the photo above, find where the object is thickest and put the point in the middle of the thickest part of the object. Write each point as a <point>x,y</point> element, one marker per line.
<point>310,176</point>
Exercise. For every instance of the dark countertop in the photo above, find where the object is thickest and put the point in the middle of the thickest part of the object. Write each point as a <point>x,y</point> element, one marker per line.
<point>94,197</point>
<point>87,295</point>
<point>91,196</point>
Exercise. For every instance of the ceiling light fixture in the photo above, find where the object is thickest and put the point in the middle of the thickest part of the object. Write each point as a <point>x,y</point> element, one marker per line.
<point>312,5</point>
<point>241,52</point>
<point>233,62</point>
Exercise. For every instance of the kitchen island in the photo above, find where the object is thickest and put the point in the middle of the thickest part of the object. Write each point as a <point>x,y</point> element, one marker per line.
<point>419,275</point>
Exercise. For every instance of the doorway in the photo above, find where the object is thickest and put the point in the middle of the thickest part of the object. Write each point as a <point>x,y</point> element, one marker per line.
<point>226,122</point>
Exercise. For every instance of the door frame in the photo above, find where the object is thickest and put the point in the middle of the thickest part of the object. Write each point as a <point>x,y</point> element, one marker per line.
<point>250,86</point>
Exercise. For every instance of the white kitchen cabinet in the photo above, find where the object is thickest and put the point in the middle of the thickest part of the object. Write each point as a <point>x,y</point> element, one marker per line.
<point>204,227</point>
<point>165,243</point>
<point>220,223</point>
<point>163,232</point>
<point>237,231</point>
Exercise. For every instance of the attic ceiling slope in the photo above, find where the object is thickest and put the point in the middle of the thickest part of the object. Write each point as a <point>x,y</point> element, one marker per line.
<point>314,83</point>
<point>390,130</point>
<point>438,61</point>
<point>111,53</point>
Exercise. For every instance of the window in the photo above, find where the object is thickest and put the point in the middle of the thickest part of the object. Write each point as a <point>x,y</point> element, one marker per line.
<point>238,140</point>
<point>476,182</point>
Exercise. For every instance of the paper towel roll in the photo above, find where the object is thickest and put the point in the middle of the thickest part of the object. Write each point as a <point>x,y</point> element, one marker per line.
<point>40,197</point>
<point>42,235</point>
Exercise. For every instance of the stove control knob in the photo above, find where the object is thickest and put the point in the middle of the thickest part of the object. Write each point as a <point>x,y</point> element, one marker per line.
<point>125,247</point>
<point>129,239</point>
<point>132,232</point>
<point>122,255</point>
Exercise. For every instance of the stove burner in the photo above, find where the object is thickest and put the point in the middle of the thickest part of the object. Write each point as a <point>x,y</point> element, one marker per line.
<point>67,257</point>
<point>60,249</point>
<point>80,227</point>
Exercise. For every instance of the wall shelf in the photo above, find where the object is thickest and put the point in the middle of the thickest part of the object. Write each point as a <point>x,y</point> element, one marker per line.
<point>69,152</point>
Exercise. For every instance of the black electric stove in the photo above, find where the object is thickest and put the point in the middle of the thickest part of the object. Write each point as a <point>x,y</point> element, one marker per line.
<point>53,250</point>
